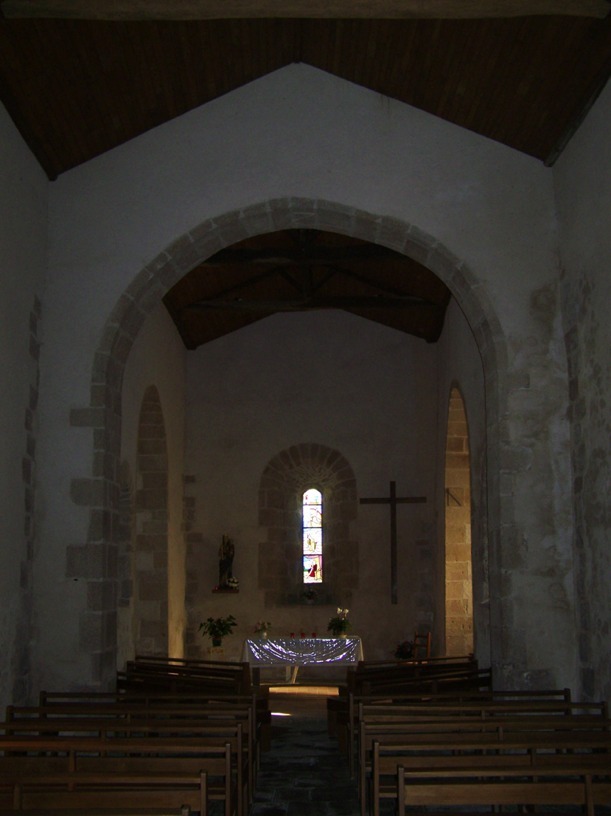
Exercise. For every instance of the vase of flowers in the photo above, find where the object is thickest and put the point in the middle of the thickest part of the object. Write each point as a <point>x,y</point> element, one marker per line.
<point>261,628</point>
<point>339,624</point>
<point>217,628</point>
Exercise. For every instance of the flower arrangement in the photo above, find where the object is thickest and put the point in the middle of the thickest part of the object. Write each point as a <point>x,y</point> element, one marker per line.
<point>261,627</point>
<point>405,650</point>
<point>218,628</point>
<point>339,624</point>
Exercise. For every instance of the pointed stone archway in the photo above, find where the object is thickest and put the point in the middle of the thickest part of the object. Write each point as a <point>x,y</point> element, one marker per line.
<point>146,291</point>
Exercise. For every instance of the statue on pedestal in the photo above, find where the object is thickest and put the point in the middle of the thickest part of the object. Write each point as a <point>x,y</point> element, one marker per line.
<point>226,553</point>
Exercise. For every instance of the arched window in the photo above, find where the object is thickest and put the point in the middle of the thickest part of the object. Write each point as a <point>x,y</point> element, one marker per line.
<point>312,536</point>
<point>284,485</point>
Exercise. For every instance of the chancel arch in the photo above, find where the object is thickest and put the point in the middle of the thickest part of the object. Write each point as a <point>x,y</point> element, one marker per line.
<point>145,293</point>
<point>286,477</point>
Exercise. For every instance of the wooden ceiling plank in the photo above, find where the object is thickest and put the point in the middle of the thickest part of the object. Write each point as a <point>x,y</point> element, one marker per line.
<point>70,77</point>
<point>55,111</point>
<point>495,66</point>
<point>224,9</point>
<point>456,61</point>
<point>405,303</point>
<point>596,89</point>
<point>373,282</point>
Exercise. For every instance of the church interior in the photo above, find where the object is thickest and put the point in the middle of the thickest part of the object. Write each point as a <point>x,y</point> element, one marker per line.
<point>260,258</point>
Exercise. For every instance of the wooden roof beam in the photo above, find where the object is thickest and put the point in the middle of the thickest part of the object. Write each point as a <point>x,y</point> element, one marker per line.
<point>330,9</point>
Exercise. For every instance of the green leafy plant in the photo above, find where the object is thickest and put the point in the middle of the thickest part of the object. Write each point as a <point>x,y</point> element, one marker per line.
<point>339,624</point>
<point>218,628</point>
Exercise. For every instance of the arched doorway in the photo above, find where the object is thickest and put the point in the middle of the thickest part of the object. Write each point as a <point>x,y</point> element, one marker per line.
<point>458,559</point>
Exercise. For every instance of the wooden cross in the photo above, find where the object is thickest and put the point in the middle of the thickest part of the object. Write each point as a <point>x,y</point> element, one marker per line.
<point>393,500</point>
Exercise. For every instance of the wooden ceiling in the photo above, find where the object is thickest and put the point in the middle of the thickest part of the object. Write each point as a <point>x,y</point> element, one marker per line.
<point>77,87</point>
<point>303,270</point>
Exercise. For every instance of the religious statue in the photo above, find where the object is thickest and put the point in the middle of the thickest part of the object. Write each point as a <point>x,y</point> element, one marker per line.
<point>226,553</point>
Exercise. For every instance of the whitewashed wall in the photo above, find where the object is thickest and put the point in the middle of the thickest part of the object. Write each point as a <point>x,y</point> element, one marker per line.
<point>23,255</point>
<point>300,132</point>
<point>583,188</point>
<point>332,379</point>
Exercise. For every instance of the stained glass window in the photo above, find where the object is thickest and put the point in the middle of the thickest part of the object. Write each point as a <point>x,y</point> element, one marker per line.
<point>312,536</point>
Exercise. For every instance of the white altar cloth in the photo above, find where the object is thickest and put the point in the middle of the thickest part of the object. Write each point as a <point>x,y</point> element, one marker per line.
<point>302,651</point>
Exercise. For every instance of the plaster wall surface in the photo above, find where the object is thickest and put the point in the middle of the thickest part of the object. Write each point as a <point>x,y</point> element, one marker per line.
<point>301,133</point>
<point>158,358</point>
<point>332,379</point>
<point>23,255</point>
<point>583,190</point>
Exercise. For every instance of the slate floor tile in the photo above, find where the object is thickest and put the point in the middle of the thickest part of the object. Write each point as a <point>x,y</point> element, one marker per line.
<point>304,773</point>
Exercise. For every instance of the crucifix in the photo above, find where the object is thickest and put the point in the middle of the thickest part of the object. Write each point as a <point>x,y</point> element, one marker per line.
<point>393,500</point>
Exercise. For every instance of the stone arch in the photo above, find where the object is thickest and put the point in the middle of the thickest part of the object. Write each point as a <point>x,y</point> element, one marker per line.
<point>283,482</point>
<point>145,292</point>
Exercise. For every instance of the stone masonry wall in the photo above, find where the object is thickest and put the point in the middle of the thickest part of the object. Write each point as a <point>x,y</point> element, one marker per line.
<point>151,556</point>
<point>459,590</point>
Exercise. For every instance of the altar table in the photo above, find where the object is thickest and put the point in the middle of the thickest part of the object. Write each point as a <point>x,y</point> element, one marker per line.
<point>296,652</point>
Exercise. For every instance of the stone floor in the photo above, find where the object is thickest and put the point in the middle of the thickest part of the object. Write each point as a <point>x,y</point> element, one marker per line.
<point>303,774</point>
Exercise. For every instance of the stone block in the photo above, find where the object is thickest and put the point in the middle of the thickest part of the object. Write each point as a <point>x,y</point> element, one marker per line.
<point>88,492</point>
<point>152,499</point>
<point>152,587</point>
<point>85,561</point>
<point>151,447</point>
<point>257,219</point>
<point>100,526</point>
<point>460,571</point>
<point>457,591</point>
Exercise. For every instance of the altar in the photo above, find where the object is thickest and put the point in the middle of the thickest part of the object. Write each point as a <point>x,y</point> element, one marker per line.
<point>295,652</point>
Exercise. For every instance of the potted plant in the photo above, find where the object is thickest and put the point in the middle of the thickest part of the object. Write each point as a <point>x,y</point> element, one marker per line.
<point>217,628</point>
<point>339,624</point>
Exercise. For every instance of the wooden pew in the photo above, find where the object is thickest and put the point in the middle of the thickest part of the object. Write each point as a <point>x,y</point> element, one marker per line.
<point>209,731</point>
<point>347,723</point>
<point>520,749</point>
<point>185,700</point>
<point>45,755</point>
<point>502,786</point>
<point>399,716</point>
<point>365,677</point>
<point>433,676</point>
<point>223,678</point>
<point>491,726</point>
<point>60,792</point>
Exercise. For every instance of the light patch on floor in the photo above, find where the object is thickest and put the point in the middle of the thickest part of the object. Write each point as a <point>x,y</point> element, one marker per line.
<point>306,691</point>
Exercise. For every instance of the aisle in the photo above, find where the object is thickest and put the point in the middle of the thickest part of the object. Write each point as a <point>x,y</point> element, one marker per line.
<point>303,774</point>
